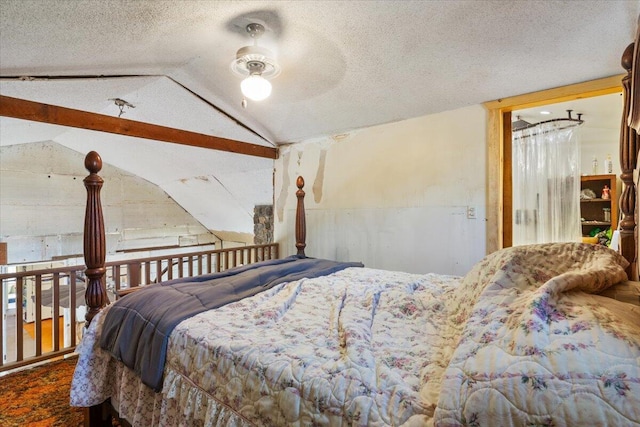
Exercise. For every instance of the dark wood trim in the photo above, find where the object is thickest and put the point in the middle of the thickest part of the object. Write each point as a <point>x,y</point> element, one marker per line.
<point>34,359</point>
<point>95,247</point>
<point>53,114</point>
<point>132,76</point>
<point>507,182</point>
<point>3,253</point>
<point>628,158</point>
<point>301,225</point>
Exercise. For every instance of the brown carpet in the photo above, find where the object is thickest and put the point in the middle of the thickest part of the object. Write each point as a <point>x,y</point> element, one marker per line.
<point>39,397</point>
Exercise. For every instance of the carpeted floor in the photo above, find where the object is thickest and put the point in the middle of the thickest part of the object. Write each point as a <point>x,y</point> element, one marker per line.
<point>39,397</point>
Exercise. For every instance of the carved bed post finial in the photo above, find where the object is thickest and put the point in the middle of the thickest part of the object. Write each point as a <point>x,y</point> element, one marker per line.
<point>628,159</point>
<point>94,239</point>
<point>301,226</point>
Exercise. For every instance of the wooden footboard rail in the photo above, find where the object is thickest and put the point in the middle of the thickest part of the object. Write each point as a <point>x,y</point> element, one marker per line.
<point>37,317</point>
<point>142,271</point>
<point>31,333</point>
<point>145,271</point>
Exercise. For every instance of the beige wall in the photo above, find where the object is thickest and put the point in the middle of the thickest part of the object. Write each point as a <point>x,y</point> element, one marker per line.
<point>394,196</point>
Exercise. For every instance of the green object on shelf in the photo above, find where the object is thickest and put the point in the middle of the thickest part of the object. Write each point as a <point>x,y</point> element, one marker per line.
<point>609,233</point>
<point>603,236</point>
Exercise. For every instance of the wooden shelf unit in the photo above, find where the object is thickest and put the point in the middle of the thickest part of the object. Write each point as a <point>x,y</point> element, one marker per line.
<point>591,210</point>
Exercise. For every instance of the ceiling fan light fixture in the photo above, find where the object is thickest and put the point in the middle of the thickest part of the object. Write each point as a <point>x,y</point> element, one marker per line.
<point>256,65</point>
<point>255,87</point>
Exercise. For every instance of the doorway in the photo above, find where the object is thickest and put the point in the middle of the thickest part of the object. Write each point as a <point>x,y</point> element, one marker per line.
<point>585,131</point>
<point>499,118</point>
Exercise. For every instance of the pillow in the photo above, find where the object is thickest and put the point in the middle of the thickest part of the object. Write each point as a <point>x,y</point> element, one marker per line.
<point>570,266</point>
<point>556,267</point>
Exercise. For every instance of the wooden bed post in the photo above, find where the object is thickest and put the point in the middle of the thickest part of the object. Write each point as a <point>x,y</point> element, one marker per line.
<point>94,239</point>
<point>628,159</point>
<point>301,226</point>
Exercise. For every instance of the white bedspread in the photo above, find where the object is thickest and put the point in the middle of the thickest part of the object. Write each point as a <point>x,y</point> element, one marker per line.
<point>516,342</point>
<point>358,347</point>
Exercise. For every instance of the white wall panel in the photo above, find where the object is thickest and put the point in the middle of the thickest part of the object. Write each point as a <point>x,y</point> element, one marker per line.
<point>393,196</point>
<point>42,204</point>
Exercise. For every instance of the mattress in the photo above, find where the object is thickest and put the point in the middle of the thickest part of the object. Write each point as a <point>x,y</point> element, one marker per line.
<point>522,339</point>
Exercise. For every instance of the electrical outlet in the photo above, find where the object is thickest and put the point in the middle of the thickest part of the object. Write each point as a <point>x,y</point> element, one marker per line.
<point>471,212</point>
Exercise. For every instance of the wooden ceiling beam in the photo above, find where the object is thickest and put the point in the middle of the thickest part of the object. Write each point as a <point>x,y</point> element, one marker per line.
<point>56,115</point>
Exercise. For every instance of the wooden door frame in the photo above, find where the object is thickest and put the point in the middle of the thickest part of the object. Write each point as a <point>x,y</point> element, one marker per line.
<point>499,216</point>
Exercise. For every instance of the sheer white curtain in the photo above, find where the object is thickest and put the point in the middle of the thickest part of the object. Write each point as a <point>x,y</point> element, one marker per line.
<point>546,184</point>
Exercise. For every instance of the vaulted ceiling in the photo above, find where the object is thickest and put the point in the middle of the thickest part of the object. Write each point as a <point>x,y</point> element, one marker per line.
<point>345,65</point>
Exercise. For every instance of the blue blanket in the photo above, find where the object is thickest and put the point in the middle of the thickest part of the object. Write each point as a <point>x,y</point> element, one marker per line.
<point>137,327</point>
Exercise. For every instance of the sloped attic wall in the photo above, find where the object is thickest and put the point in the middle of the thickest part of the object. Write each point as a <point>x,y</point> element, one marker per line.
<point>219,189</point>
<point>42,200</point>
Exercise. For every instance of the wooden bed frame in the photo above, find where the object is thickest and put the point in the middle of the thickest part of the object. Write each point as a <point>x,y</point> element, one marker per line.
<point>95,245</point>
<point>95,242</point>
<point>95,253</point>
<point>628,161</point>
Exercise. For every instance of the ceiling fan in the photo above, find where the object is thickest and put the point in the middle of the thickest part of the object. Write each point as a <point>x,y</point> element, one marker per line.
<point>256,64</point>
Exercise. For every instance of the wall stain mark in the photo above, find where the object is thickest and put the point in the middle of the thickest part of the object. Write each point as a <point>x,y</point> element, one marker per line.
<point>319,181</point>
<point>286,182</point>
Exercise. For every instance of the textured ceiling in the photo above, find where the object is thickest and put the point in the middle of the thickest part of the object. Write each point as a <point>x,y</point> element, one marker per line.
<point>345,65</point>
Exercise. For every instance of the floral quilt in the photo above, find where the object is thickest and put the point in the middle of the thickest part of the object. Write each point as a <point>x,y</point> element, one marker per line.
<point>519,340</point>
<point>538,349</point>
<point>357,347</point>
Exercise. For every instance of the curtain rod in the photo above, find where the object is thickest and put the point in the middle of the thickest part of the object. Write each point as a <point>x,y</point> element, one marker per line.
<point>574,122</point>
